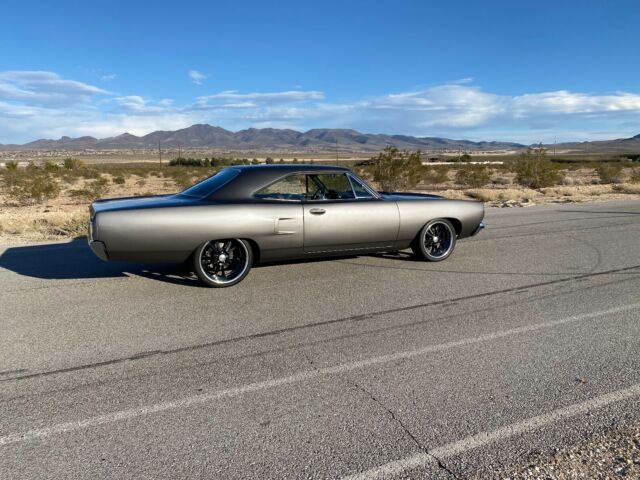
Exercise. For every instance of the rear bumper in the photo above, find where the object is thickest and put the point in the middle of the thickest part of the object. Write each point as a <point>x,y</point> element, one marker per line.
<point>99,249</point>
<point>478,230</point>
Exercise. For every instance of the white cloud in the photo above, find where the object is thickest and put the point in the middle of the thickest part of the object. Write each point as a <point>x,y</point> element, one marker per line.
<point>109,77</point>
<point>42,104</point>
<point>44,88</point>
<point>197,77</point>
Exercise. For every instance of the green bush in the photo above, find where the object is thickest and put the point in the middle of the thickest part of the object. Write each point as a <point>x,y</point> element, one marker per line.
<point>609,172</point>
<point>11,165</point>
<point>473,175</point>
<point>395,170</point>
<point>50,166</point>
<point>73,164</point>
<point>119,180</point>
<point>534,170</point>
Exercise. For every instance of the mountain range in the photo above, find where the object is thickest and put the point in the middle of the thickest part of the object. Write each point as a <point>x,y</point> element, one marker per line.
<point>261,139</point>
<point>202,136</point>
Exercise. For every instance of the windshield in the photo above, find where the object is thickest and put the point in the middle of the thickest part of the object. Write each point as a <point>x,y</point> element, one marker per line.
<point>209,185</point>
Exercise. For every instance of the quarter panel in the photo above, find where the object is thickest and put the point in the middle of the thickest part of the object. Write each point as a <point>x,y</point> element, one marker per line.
<point>172,234</point>
<point>414,214</point>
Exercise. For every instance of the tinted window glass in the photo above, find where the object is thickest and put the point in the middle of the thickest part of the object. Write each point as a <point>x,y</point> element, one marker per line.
<point>209,185</point>
<point>335,186</point>
<point>359,189</point>
<point>292,187</point>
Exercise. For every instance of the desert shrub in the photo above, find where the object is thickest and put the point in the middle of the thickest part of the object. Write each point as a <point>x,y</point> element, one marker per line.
<point>501,181</point>
<point>189,162</point>
<point>465,157</point>
<point>93,190</point>
<point>627,188</point>
<point>73,164</point>
<point>76,226</point>
<point>119,180</point>
<point>635,176</point>
<point>437,174</point>
<point>473,175</point>
<point>50,166</point>
<point>396,170</point>
<point>269,160</point>
<point>534,170</point>
<point>141,182</point>
<point>11,165</point>
<point>34,189</point>
<point>31,166</point>
<point>609,172</point>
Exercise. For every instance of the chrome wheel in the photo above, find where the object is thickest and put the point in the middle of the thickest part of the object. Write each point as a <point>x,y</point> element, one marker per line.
<point>436,240</point>
<point>223,262</point>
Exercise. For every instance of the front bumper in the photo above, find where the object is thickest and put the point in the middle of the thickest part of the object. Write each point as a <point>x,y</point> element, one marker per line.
<point>478,230</point>
<point>99,249</point>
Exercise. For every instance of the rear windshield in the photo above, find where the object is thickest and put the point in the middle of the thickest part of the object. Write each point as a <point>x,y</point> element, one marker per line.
<point>209,185</point>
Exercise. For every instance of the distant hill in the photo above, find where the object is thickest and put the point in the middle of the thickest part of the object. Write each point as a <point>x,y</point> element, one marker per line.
<point>620,145</point>
<point>261,139</point>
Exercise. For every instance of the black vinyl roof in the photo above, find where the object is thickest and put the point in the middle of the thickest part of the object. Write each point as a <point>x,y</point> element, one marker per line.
<point>254,177</point>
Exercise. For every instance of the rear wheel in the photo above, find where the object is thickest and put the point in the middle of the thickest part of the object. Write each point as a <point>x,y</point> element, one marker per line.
<point>223,263</point>
<point>436,240</point>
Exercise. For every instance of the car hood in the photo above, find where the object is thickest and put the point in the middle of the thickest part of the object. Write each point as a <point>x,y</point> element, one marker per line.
<point>129,203</point>
<point>399,196</point>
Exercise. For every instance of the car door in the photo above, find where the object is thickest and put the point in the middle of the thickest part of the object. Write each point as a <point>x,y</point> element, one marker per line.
<point>343,218</point>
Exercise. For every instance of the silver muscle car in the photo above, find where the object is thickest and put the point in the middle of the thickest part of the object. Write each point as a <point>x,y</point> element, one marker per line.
<point>247,214</point>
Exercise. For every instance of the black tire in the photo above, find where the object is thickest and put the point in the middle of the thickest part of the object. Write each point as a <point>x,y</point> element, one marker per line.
<point>223,263</point>
<point>445,234</point>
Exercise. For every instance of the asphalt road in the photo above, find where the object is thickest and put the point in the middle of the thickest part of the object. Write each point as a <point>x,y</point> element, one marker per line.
<point>526,339</point>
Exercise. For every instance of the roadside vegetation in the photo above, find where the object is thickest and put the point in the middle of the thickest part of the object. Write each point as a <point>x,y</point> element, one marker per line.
<point>49,199</point>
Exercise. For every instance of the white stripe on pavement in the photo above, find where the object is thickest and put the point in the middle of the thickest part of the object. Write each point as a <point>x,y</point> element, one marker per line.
<point>481,439</point>
<point>298,377</point>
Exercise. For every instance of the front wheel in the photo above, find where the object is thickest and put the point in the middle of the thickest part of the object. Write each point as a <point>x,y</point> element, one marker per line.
<point>223,263</point>
<point>436,240</point>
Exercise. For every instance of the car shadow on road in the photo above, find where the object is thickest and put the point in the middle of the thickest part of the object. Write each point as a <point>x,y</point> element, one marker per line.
<point>75,260</point>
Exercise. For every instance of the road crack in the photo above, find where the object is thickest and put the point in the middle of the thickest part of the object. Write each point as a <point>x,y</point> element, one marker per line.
<point>404,428</point>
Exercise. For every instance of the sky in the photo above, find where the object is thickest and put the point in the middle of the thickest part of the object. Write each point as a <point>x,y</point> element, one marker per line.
<point>525,71</point>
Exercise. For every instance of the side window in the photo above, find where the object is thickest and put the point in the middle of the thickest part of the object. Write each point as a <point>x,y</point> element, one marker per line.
<point>359,189</point>
<point>334,186</point>
<point>293,187</point>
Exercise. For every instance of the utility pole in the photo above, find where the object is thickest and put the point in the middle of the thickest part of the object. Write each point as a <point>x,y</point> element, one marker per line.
<point>337,154</point>
<point>160,152</point>
<point>179,152</point>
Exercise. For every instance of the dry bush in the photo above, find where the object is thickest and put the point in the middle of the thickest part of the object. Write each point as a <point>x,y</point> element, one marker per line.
<point>609,172</point>
<point>534,170</point>
<point>494,195</point>
<point>629,188</point>
<point>501,181</point>
<point>29,189</point>
<point>11,165</point>
<point>93,190</point>
<point>119,180</point>
<point>635,176</point>
<point>473,175</point>
<point>436,174</point>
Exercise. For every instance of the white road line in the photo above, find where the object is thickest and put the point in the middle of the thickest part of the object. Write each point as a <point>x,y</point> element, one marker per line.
<point>481,439</point>
<point>298,377</point>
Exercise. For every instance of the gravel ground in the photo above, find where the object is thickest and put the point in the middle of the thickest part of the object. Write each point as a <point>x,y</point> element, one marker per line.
<point>615,454</point>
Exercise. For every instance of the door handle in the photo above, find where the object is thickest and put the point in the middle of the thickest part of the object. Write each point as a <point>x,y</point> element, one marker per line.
<point>317,211</point>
